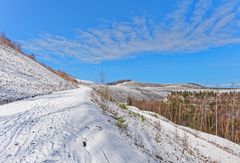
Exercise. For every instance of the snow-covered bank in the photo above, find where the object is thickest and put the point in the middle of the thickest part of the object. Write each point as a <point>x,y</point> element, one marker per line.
<point>21,77</point>
<point>168,142</point>
<point>200,146</point>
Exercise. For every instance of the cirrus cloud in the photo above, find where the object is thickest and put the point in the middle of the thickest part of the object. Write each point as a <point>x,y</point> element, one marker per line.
<point>192,27</point>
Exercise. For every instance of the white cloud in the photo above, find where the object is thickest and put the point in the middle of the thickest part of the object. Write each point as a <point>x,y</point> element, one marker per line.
<point>190,28</point>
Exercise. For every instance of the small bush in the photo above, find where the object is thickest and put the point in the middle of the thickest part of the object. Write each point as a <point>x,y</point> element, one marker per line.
<point>121,122</point>
<point>111,99</point>
<point>142,118</point>
<point>134,114</point>
<point>123,106</point>
<point>157,138</point>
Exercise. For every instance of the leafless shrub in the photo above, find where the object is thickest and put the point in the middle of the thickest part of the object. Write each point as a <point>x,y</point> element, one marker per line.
<point>101,99</point>
<point>210,112</point>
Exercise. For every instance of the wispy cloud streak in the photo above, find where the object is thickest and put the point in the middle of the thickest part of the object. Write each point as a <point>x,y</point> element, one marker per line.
<point>192,27</point>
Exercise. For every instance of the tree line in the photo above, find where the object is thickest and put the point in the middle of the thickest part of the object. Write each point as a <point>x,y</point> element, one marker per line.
<point>210,112</point>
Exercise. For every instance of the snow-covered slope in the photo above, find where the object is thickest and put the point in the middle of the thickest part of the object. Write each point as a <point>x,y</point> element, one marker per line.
<point>167,142</point>
<point>51,128</point>
<point>22,77</point>
<point>181,144</point>
<point>85,82</point>
<point>148,91</point>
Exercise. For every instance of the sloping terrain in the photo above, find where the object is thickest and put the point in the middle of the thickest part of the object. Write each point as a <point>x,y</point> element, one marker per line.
<point>148,91</point>
<point>168,142</point>
<point>51,128</point>
<point>169,86</point>
<point>144,91</point>
<point>22,77</point>
<point>174,143</point>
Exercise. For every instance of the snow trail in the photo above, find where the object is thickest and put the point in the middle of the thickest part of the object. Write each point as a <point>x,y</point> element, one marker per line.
<point>50,128</point>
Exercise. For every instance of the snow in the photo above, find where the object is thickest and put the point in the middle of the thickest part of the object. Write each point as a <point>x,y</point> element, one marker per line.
<point>200,145</point>
<point>142,91</point>
<point>168,142</point>
<point>157,88</point>
<point>21,77</point>
<point>86,82</point>
<point>122,92</point>
<point>51,128</point>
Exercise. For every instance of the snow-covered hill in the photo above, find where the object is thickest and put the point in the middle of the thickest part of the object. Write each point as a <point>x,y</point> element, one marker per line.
<point>51,128</point>
<point>22,77</point>
<point>148,91</point>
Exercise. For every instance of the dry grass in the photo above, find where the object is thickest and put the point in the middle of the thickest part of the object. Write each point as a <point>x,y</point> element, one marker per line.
<point>6,41</point>
<point>65,76</point>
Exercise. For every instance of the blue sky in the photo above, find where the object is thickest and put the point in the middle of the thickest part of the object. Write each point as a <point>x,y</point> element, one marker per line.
<point>170,41</point>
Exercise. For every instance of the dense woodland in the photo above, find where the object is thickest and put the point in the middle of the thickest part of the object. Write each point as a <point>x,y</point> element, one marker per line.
<point>211,112</point>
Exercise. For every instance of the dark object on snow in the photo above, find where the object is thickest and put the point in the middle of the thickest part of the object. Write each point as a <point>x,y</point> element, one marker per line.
<point>84,142</point>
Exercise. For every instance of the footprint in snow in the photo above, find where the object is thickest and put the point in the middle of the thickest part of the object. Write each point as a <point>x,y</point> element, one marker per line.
<point>16,143</point>
<point>99,127</point>
<point>9,155</point>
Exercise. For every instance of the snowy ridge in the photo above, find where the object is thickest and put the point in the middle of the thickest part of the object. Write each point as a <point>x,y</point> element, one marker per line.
<point>85,82</point>
<point>145,91</point>
<point>21,77</point>
<point>191,87</point>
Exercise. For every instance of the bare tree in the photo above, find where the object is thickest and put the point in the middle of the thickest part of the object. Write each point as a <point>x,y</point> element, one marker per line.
<point>216,113</point>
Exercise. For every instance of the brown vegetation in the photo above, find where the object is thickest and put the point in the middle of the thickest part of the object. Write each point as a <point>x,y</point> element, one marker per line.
<point>214,113</point>
<point>61,74</point>
<point>6,41</point>
<point>65,76</point>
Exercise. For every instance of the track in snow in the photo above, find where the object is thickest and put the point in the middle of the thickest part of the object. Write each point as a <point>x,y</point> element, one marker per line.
<point>51,128</point>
